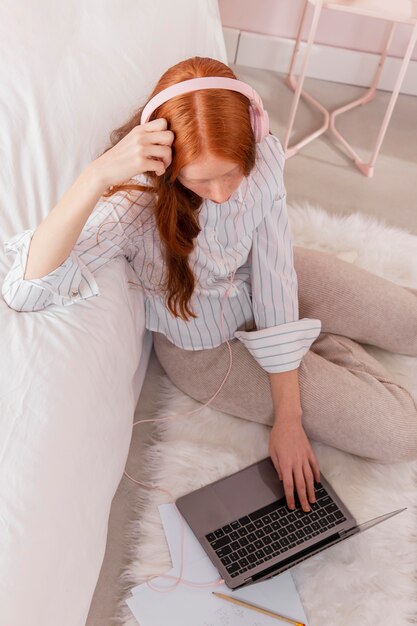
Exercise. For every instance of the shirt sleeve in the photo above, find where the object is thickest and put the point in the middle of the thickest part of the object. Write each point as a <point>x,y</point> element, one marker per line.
<point>281,339</point>
<point>112,230</point>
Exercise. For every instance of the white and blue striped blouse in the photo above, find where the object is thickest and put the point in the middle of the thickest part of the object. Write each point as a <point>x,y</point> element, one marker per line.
<point>253,238</point>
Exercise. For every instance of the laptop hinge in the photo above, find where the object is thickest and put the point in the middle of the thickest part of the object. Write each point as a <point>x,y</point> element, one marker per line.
<point>349,531</point>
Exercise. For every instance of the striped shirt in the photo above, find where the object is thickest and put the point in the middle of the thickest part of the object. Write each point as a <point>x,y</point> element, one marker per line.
<point>248,235</point>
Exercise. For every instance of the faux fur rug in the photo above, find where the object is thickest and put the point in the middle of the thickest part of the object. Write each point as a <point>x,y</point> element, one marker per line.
<point>370,578</point>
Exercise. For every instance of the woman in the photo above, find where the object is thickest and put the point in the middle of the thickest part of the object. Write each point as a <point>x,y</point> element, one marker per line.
<point>209,239</point>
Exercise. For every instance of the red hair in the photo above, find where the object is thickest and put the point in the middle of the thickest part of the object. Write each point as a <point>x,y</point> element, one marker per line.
<point>215,121</point>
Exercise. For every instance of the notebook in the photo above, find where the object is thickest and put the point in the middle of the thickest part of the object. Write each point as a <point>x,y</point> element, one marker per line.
<point>186,606</point>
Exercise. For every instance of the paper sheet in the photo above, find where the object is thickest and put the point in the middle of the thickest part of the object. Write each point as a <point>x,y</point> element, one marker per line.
<point>187,606</point>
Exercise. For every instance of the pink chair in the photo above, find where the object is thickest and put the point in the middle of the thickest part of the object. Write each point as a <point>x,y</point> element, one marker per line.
<point>399,12</point>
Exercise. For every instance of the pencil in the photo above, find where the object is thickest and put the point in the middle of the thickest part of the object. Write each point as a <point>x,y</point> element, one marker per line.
<point>257,608</point>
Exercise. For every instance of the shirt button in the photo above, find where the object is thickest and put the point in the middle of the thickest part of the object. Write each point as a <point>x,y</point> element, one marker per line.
<point>74,292</point>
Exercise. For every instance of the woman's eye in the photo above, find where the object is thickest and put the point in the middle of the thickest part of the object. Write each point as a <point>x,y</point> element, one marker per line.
<point>203,183</point>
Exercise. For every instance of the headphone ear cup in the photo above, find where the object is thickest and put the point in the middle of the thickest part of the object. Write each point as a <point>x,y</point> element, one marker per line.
<point>260,122</point>
<point>265,124</point>
<point>254,119</point>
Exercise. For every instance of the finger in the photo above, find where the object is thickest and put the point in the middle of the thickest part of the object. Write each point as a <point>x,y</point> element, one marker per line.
<point>161,152</point>
<point>163,137</point>
<point>154,165</point>
<point>288,483</point>
<point>159,124</point>
<point>315,467</point>
<point>308,475</point>
<point>301,487</point>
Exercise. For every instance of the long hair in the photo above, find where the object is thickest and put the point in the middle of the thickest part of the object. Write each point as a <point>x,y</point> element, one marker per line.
<point>216,121</point>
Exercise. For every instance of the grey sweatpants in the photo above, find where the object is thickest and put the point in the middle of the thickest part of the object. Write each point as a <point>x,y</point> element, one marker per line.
<point>349,400</point>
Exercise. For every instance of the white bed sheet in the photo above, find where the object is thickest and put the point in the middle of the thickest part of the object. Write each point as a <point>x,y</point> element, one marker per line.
<point>70,377</point>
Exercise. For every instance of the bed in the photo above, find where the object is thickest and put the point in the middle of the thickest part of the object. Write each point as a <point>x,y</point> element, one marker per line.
<point>71,376</point>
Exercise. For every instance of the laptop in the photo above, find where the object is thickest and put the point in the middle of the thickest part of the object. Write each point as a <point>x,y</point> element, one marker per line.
<point>243,523</point>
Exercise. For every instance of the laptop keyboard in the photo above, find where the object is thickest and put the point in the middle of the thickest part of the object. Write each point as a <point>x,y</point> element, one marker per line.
<point>267,532</point>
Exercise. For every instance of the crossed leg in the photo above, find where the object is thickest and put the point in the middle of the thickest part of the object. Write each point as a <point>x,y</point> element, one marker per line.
<point>348,398</point>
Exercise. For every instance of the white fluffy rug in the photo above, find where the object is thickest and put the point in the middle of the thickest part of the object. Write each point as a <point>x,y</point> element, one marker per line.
<point>370,579</point>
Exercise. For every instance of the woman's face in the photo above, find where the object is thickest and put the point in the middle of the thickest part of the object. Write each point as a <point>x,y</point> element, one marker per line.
<point>211,178</point>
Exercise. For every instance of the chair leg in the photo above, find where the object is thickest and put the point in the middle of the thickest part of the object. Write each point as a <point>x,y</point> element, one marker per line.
<point>370,93</point>
<point>298,39</point>
<point>393,99</point>
<point>290,151</point>
<point>364,99</point>
<point>329,118</point>
<point>368,168</point>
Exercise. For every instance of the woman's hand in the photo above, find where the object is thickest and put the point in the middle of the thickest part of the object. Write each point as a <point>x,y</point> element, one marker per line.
<point>295,460</point>
<point>146,148</point>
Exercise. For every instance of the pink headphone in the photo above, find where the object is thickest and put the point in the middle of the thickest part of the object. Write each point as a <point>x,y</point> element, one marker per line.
<point>258,115</point>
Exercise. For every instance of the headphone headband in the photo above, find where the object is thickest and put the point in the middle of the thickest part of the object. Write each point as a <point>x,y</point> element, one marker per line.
<point>259,116</point>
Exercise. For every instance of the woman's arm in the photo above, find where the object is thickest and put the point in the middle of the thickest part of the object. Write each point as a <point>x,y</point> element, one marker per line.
<point>286,395</point>
<point>279,344</point>
<point>55,263</point>
<point>289,447</point>
<point>55,237</point>
<point>112,229</point>
<point>281,339</point>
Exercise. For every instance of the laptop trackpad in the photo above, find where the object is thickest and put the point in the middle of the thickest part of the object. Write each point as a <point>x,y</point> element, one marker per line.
<point>250,489</point>
<point>232,497</point>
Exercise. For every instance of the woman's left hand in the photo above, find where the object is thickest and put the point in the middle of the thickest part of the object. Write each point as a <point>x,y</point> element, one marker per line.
<point>295,460</point>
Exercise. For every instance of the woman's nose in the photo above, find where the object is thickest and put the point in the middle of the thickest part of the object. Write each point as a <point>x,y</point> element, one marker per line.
<point>220,194</point>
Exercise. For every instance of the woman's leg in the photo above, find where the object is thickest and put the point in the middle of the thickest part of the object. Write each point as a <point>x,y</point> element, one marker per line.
<point>352,302</point>
<point>348,399</point>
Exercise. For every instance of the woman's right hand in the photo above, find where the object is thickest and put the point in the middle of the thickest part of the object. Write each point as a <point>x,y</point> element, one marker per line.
<point>147,147</point>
